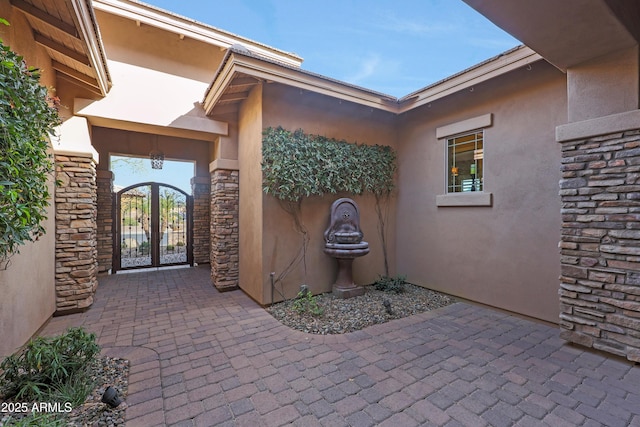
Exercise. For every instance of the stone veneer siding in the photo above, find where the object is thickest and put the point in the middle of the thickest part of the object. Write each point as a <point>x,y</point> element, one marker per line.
<point>224,229</point>
<point>600,244</point>
<point>76,244</point>
<point>201,190</point>
<point>105,220</point>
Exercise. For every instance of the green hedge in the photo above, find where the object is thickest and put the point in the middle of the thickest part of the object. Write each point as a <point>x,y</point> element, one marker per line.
<point>297,165</point>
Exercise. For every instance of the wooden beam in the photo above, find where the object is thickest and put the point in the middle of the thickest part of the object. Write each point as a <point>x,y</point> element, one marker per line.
<point>62,49</point>
<point>82,84</point>
<point>229,97</point>
<point>43,16</point>
<point>75,74</point>
<point>244,82</point>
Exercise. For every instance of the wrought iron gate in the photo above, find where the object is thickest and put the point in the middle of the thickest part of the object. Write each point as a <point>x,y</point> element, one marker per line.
<point>153,227</point>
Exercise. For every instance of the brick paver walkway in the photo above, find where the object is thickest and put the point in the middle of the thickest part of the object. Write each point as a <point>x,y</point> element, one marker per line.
<point>203,358</point>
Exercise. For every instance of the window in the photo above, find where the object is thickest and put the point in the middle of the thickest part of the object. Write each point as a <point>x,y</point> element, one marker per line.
<point>463,145</point>
<point>465,162</point>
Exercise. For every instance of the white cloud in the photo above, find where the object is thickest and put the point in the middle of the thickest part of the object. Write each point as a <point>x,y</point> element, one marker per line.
<point>368,67</point>
<point>406,26</point>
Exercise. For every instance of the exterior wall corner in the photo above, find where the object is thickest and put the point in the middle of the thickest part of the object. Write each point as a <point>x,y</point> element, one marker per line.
<point>600,243</point>
<point>76,260</point>
<point>224,252</point>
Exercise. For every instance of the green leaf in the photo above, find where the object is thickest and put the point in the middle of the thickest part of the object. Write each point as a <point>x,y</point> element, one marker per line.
<point>26,121</point>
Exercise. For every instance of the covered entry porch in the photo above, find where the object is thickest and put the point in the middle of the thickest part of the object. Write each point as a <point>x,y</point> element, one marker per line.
<point>88,224</point>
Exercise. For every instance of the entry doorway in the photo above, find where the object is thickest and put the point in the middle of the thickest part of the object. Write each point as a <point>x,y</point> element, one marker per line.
<point>153,224</point>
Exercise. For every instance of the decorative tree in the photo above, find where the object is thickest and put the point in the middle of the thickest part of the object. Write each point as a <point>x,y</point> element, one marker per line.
<point>297,165</point>
<point>28,117</point>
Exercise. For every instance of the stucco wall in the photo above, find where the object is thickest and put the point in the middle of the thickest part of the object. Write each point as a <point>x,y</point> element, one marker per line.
<point>250,210</point>
<point>27,285</point>
<point>155,49</point>
<point>604,86</point>
<point>317,114</point>
<point>158,81</point>
<point>505,255</point>
<point>113,141</point>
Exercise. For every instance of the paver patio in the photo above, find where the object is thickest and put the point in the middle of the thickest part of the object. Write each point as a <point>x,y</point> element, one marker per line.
<point>204,358</point>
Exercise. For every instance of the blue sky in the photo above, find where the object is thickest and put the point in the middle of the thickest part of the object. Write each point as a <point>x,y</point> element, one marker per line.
<point>393,47</point>
<point>128,171</point>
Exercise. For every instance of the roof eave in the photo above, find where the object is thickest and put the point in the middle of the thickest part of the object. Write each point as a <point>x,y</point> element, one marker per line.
<point>186,27</point>
<point>510,60</point>
<point>236,62</point>
<point>90,33</point>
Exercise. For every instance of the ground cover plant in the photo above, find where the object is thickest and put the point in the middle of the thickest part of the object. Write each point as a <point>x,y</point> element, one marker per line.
<point>390,284</point>
<point>51,367</point>
<point>330,315</point>
<point>59,381</point>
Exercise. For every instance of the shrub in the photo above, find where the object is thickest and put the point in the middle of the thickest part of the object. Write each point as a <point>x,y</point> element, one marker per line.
<point>306,303</point>
<point>390,284</point>
<point>26,121</point>
<point>49,365</point>
<point>144,247</point>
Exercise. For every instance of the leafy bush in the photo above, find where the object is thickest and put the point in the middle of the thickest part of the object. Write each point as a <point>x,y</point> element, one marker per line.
<point>144,247</point>
<point>306,303</point>
<point>26,121</point>
<point>390,284</point>
<point>297,165</point>
<point>50,365</point>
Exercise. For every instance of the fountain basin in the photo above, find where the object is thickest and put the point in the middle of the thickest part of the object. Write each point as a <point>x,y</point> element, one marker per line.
<point>343,241</point>
<point>347,238</point>
<point>346,250</point>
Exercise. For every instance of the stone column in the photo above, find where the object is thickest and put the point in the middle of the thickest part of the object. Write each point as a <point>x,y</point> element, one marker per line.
<point>600,243</point>
<point>201,190</point>
<point>76,237</point>
<point>224,228</point>
<point>104,181</point>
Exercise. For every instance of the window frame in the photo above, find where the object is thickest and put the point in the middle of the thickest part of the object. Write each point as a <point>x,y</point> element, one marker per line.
<point>448,164</point>
<point>460,129</point>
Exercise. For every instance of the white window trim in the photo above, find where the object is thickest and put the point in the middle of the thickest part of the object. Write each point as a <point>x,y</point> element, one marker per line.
<point>471,198</point>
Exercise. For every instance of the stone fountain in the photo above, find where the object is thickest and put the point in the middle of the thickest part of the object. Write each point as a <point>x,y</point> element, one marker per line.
<point>343,241</point>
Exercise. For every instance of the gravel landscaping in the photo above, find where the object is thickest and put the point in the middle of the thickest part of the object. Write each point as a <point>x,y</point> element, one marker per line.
<point>106,372</point>
<point>347,315</point>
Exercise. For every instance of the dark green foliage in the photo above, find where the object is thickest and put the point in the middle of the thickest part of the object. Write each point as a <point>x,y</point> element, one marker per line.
<point>297,165</point>
<point>390,284</point>
<point>144,247</point>
<point>49,366</point>
<point>26,122</point>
